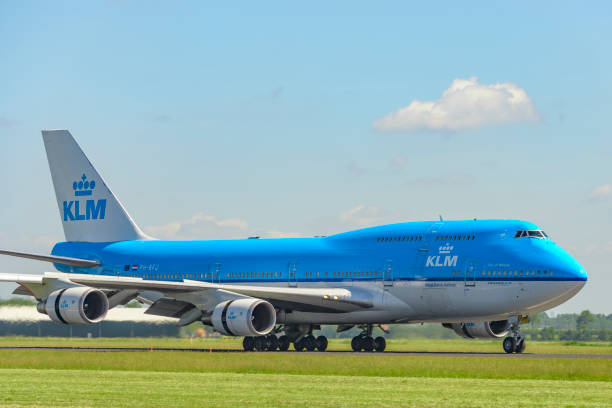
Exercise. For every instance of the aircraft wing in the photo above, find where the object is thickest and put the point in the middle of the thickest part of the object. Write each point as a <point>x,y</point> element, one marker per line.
<point>303,299</point>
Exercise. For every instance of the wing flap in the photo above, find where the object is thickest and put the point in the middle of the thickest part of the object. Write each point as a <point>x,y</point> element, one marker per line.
<point>169,308</point>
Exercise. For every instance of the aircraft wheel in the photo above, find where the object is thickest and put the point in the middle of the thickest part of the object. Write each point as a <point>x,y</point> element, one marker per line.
<point>299,345</point>
<point>520,346</point>
<point>248,343</point>
<point>356,343</point>
<point>367,343</point>
<point>272,341</point>
<point>310,343</point>
<point>321,343</point>
<point>509,345</point>
<point>260,343</point>
<point>380,344</point>
<point>283,343</point>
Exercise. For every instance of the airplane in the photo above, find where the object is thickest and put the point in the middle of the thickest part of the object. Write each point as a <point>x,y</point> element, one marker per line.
<point>479,278</point>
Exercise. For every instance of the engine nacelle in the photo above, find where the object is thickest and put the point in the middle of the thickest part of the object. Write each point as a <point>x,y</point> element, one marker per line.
<point>480,330</point>
<point>75,305</point>
<point>244,317</point>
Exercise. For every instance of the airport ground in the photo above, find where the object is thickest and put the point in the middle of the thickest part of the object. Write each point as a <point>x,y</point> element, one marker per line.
<point>415,373</point>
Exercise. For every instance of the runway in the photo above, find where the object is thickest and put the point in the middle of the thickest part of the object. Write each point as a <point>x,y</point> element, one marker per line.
<point>331,352</point>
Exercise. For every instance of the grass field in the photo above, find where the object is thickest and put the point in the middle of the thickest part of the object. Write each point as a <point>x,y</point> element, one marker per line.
<point>173,378</point>
<point>68,388</point>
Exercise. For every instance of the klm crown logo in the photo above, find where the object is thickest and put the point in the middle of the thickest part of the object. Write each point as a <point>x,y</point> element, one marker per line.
<point>83,187</point>
<point>94,209</point>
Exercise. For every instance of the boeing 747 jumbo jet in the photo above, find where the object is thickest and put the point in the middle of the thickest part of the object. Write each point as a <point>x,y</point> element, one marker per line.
<point>480,278</point>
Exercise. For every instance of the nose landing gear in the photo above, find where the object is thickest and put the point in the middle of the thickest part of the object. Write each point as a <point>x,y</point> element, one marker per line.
<point>515,343</point>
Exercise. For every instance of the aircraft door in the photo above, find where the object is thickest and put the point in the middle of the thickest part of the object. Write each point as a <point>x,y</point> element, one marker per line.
<point>215,273</point>
<point>292,274</point>
<point>387,277</point>
<point>470,273</point>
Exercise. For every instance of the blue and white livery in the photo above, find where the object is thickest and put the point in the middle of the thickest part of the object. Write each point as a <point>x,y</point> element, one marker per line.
<point>480,278</point>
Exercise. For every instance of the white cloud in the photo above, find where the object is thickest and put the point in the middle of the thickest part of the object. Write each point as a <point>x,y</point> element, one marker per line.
<point>202,226</point>
<point>465,104</point>
<point>603,191</point>
<point>281,234</point>
<point>362,215</point>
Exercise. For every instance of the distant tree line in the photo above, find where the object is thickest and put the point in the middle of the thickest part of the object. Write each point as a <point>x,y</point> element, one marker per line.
<point>584,326</point>
<point>106,328</point>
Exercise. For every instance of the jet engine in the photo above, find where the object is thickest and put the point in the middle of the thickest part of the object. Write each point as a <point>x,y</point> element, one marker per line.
<point>75,305</point>
<point>480,330</point>
<point>244,317</point>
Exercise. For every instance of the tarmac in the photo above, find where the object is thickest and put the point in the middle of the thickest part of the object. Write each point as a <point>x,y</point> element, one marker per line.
<point>336,352</point>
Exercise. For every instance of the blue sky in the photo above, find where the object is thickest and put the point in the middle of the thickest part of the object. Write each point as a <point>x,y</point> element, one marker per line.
<point>226,121</point>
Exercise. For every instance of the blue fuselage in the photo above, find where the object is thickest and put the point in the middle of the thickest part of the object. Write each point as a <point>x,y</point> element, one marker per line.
<point>472,251</point>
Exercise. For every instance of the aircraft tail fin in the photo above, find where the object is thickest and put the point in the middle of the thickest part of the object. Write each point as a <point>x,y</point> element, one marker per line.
<point>89,210</point>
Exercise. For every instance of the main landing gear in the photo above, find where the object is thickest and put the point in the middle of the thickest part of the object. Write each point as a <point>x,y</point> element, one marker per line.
<point>310,343</point>
<point>515,343</point>
<point>301,336</point>
<point>364,341</point>
<point>303,339</point>
<point>266,343</point>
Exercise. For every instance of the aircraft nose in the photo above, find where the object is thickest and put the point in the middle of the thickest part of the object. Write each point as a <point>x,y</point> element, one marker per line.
<point>572,270</point>
<point>579,273</point>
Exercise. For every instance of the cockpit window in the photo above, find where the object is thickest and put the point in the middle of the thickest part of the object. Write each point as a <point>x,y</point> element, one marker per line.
<point>530,234</point>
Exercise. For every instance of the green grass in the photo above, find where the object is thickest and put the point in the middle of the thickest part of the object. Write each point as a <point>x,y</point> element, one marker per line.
<point>366,365</point>
<point>76,388</point>
<point>185,379</point>
<point>416,345</point>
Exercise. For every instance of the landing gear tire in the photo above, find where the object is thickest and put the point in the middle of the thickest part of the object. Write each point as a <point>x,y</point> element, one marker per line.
<point>310,343</point>
<point>520,346</point>
<point>299,345</point>
<point>260,343</point>
<point>271,342</point>
<point>283,343</point>
<point>367,343</point>
<point>248,343</point>
<point>321,343</point>
<point>509,345</point>
<point>380,344</point>
<point>356,343</point>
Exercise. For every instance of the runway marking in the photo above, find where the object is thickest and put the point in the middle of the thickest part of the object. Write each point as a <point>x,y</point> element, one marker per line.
<point>331,352</point>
